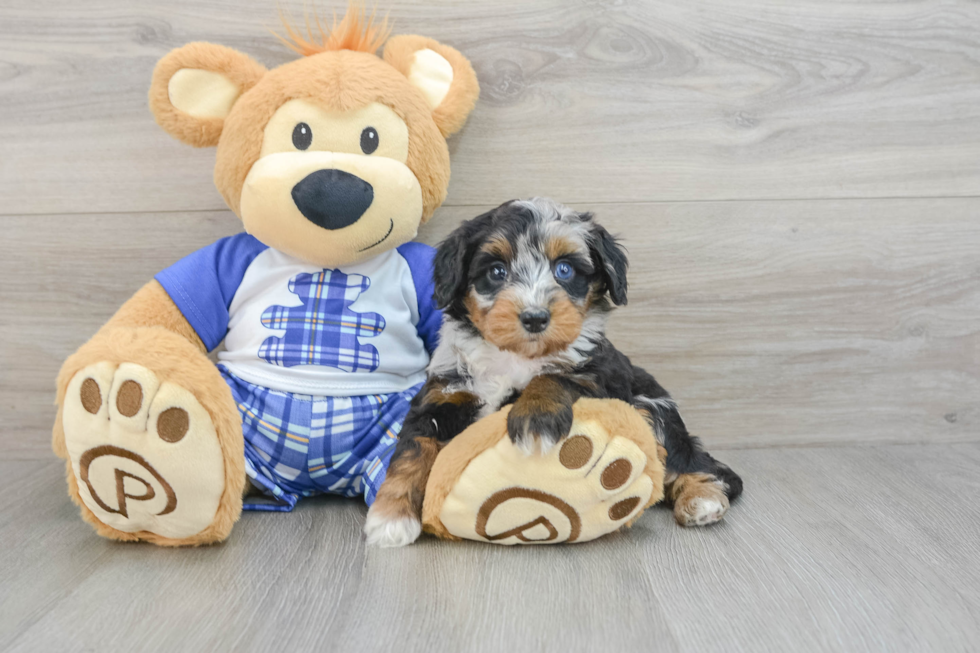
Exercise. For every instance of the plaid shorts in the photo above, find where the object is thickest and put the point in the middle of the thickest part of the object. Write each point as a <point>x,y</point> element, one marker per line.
<point>301,445</point>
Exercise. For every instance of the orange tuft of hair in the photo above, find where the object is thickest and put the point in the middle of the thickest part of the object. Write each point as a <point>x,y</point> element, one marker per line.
<point>355,31</point>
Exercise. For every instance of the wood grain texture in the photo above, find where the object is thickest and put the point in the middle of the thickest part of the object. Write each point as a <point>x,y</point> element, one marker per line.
<point>586,101</point>
<point>691,128</point>
<point>780,322</point>
<point>847,549</point>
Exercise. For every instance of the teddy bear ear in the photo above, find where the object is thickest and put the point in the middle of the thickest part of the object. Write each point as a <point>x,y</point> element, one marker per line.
<point>441,73</point>
<point>194,88</point>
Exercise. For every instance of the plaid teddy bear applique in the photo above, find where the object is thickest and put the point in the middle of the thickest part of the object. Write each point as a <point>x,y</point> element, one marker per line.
<point>323,330</point>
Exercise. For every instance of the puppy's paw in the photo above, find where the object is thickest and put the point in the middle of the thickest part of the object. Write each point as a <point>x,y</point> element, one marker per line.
<point>700,511</point>
<point>538,426</point>
<point>391,520</point>
<point>699,499</point>
<point>391,531</point>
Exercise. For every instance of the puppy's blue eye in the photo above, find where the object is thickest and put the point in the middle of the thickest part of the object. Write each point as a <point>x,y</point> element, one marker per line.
<point>564,271</point>
<point>497,272</point>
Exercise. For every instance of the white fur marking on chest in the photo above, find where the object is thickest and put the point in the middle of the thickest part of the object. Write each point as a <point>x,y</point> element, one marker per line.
<point>492,373</point>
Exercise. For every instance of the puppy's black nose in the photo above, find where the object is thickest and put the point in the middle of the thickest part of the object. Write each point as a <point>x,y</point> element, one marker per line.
<point>535,320</point>
<point>332,199</point>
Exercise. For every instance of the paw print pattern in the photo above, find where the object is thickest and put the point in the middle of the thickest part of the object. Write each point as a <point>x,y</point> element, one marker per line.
<point>589,486</point>
<point>323,330</point>
<point>144,452</point>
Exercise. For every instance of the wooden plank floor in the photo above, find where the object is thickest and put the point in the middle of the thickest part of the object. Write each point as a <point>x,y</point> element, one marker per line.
<point>799,188</point>
<point>832,549</point>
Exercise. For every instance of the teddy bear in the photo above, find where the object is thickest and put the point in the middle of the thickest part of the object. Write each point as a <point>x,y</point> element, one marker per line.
<point>324,305</point>
<point>601,478</point>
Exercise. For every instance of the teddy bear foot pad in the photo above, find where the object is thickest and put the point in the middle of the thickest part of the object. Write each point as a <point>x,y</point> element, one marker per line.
<point>593,483</point>
<point>144,453</point>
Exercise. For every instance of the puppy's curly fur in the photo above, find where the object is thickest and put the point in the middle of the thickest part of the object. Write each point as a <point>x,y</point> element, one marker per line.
<point>526,289</point>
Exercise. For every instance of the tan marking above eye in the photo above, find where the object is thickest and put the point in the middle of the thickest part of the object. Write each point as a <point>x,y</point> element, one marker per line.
<point>337,131</point>
<point>560,246</point>
<point>499,246</point>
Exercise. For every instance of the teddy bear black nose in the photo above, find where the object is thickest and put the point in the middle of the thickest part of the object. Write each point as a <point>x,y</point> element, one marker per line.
<point>332,199</point>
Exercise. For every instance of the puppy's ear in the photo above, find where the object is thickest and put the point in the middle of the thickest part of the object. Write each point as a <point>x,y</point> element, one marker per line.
<point>194,88</point>
<point>453,257</point>
<point>449,269</point>
<point>443,75</point>
<point>609,258</point>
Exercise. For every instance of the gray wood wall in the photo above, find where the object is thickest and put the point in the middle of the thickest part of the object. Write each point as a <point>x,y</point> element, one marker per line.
<point>799,188</point>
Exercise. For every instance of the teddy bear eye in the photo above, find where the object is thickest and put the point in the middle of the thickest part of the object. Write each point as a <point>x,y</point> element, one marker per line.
<point>302,136</point>
<point>369,140</point>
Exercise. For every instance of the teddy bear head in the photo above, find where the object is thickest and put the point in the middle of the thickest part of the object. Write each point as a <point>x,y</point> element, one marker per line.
<point>331,158</point>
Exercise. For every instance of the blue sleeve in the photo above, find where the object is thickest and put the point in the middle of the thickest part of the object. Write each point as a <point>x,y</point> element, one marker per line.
<point>420,260</point>
<point>203,284</point>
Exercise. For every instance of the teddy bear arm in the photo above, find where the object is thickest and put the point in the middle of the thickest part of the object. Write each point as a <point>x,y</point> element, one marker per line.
<point>150,306</point>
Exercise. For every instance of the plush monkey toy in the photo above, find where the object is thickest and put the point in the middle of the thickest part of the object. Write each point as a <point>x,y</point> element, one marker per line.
<point>325,306</point>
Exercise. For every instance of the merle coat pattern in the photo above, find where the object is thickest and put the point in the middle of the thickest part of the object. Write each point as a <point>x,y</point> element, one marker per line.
<point>526,289</point>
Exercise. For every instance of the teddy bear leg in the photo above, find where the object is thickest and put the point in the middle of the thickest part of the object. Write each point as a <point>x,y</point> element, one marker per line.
<point>598,479</point>
<point>152,437</point>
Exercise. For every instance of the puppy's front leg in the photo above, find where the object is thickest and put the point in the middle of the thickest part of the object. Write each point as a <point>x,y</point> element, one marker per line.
<point>395,518</point>
<point>543,412</point>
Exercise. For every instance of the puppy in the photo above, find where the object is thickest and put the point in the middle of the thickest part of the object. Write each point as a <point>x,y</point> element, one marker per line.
<point>526,290</point>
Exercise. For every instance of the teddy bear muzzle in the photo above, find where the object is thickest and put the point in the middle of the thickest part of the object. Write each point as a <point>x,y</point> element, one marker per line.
<point>328,208</point>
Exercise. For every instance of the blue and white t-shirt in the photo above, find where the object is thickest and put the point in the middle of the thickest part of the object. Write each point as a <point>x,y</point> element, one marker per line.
<point>365,328</point>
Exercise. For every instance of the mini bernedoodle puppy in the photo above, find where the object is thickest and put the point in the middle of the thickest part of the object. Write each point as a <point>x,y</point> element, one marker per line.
<point>526,289</point>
